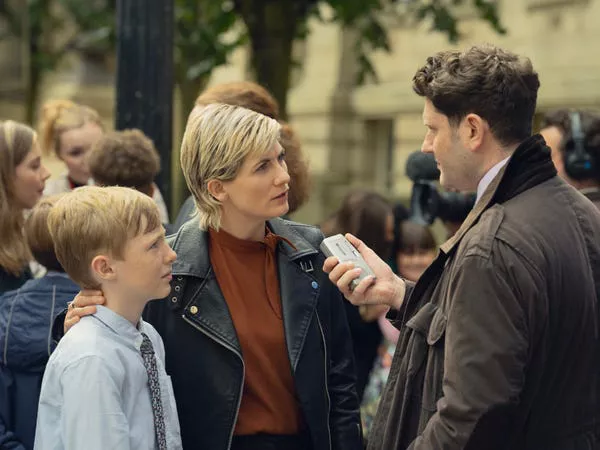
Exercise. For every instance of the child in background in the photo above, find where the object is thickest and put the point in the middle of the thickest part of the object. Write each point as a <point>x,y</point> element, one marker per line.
<point>26,315</point>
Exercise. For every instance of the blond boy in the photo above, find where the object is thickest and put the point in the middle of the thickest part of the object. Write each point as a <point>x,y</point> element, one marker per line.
<point>105,386</point>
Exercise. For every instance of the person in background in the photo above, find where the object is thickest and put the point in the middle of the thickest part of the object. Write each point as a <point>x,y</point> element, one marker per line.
<point>574,139</point>
<point>125,158</point>
<point>68,130</point>
<point>368,215</point>
<point>256,98</point>
<point>22,181</point>
<point>26,315</point>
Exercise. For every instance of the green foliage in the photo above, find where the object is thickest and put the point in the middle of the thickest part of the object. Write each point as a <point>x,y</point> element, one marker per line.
<point>205,36</point>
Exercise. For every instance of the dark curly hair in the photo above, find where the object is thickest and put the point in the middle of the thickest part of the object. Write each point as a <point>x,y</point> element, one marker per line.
<point>124,158</point>
<point>499,86</point>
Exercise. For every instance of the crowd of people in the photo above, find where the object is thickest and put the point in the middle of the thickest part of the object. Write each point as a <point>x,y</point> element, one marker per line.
<point>228,328</point>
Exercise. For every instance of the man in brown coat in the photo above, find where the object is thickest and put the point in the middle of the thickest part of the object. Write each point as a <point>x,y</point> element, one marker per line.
<point>499,344</point>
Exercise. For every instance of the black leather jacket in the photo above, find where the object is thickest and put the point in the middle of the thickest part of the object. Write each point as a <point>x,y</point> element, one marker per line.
<point>204,358</point>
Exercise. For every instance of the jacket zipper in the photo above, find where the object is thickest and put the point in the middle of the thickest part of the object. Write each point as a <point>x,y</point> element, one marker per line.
<point>326,379</point>
<point>229,347</point>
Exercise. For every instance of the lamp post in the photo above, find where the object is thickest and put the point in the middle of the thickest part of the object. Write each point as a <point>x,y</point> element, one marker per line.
<point>145,76</point>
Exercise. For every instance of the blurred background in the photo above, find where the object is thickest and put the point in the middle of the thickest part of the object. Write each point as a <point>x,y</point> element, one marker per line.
<point>341,70</point>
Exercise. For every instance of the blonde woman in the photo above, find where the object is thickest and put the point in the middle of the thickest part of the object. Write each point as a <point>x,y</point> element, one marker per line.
<point>256,338</point>
<point>68,130</point>
<point>22,181</point>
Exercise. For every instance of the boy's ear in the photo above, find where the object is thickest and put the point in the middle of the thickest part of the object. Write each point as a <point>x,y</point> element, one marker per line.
<point>217,190</point>
<point>102,268</point>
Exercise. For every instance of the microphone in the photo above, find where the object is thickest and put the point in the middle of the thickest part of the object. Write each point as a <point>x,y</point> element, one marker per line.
<point>422,167</point>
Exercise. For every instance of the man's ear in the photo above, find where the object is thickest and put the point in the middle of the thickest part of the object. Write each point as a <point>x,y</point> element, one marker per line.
<point>217,190</point>
<point>102,268</point>
<point>474,129</point>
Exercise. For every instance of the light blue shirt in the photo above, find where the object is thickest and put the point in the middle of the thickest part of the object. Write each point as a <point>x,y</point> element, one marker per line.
<point>95,392</point>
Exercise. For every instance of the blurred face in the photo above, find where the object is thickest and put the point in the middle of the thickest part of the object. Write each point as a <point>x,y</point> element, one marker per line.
<point>74,146</point>
<point>553,137</point>
<point>412,265</point>
<point>30,179</point>
<point>259,192</point>
<point>443,141</point>
<point>145,271</point>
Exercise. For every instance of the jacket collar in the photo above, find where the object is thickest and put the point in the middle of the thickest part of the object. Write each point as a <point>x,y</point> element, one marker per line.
<point>191,245</point>
<point>529,165</point>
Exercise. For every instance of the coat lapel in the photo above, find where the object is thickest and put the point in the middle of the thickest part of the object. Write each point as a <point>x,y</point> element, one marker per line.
<point>299,288</point>
<point>207,307</point>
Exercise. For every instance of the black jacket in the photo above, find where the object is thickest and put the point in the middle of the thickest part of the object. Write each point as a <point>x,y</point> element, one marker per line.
<point>499,345</point>
<point>204,357</point>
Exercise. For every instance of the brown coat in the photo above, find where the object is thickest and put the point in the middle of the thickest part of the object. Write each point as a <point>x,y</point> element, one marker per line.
<point>499,343</point>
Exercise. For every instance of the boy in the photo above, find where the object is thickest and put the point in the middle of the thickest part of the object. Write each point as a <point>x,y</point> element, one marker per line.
<point>105,386</point>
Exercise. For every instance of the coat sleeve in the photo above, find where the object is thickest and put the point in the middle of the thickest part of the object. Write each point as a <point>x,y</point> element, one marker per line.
<point>8,440</point>
<point>344,413</point>
<point>486,353</point>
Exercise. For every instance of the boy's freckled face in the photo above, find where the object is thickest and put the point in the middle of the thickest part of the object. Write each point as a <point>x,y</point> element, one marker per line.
<point>145,271</point>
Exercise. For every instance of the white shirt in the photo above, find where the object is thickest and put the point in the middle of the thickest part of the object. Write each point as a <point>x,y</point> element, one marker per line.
<point>95,393</point>
<point>489,176</point>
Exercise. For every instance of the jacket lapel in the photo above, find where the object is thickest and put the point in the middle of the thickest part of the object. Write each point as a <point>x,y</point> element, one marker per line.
<point>299,288</point>
<point>207,308</point>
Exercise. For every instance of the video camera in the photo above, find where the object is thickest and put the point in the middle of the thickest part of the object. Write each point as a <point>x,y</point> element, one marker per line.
<point>426,201</point>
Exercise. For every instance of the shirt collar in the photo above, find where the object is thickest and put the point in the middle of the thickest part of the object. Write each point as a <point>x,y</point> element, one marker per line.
<point>489,176</point>
<point>120,325</point>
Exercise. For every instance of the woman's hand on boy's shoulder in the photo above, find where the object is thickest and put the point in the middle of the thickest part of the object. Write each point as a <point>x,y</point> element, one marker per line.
<point>84,304</point>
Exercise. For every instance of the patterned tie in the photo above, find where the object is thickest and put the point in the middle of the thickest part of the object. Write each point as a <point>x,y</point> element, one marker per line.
<point>157,407</point>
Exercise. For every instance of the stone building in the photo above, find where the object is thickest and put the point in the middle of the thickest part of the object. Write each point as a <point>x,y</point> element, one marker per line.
<point>361,135</point>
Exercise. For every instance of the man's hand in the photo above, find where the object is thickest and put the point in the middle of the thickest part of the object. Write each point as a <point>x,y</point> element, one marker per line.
<point>82,305</point>
<point>383,289</point>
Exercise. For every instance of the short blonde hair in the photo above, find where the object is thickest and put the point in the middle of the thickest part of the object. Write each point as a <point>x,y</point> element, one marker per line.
<point>59,116</point>
<point>93,220</point>
<point>16,141</point>
<point>38,234</point>
<point>217,140</point>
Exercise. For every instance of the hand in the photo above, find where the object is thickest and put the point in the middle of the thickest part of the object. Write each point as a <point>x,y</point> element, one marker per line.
<point>84,304</point>
<point>370,313</point>
<point>383,289</point>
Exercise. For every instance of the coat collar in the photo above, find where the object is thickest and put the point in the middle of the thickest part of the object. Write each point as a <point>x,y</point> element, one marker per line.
<point>529,165</point>
<point>191,245</point>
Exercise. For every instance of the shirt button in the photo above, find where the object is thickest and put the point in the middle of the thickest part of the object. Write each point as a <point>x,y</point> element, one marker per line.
<point>177,288</point>
<point>194,309</point>
<point>174,299</point>
<point>314,285</point>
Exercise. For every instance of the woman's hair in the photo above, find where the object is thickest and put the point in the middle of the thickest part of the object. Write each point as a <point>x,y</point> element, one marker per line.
<point>256,98</point>
<point>297,168</point>
<point>16,141</point>
<point>413,237</point>
<point>241,93</point>
<point>38,234</point>
<point>217,140</point>
<point>364,214</point>
<point>59,116</point>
